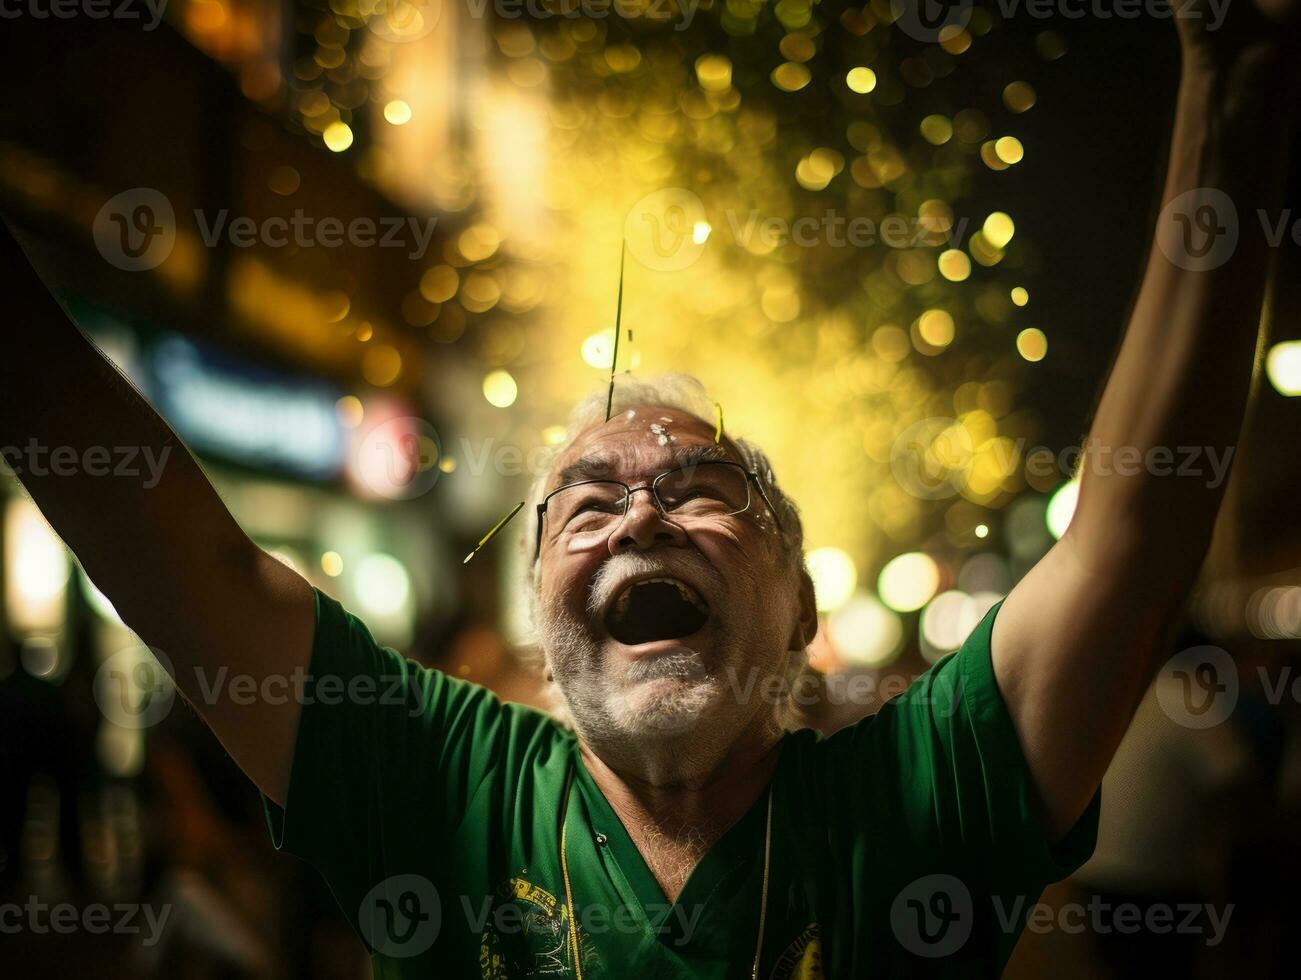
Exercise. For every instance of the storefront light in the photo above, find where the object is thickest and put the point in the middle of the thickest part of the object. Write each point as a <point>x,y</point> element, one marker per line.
<point>36,570</point>
<point>382,585</point>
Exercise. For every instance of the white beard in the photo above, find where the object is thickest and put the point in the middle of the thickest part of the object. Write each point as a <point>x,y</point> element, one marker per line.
<point>657,695</point>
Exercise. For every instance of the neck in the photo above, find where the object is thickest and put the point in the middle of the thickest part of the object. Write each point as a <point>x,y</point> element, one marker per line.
<point>675,813</point>
<point>682,787</point>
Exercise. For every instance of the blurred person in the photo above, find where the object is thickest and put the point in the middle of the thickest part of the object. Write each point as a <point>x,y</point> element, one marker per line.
<point>675,826</point>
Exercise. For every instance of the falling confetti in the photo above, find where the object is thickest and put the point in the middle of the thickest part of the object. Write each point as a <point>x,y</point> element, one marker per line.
<point>495,528</point>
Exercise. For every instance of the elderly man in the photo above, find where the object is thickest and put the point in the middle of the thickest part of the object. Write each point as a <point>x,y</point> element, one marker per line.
<point>678,829</point>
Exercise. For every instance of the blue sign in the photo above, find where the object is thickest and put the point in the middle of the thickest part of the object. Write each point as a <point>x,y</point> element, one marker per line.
<point>247,413</point>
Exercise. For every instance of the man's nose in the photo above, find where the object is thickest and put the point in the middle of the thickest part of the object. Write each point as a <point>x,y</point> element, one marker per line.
<point>644,525</point>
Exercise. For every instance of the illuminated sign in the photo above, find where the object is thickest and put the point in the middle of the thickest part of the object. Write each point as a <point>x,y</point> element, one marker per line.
<point>246,413</point>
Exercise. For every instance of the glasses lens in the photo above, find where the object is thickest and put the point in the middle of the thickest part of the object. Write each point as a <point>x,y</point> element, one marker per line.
<point>705,490</point>
<point>586,507</point>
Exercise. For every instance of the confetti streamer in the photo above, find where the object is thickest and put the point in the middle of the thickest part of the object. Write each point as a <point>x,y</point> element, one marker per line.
<point>495,528</point>
<point>618,317</point>
<point>718,428</point>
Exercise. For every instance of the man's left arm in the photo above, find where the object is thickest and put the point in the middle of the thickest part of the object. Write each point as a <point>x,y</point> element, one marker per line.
<point>1077,641</point>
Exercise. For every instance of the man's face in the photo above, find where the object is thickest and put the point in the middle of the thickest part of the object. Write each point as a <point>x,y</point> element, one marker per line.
<point>655,623</point>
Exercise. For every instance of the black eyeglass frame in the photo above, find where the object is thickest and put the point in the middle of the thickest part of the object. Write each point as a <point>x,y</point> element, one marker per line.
<point>628,491</point>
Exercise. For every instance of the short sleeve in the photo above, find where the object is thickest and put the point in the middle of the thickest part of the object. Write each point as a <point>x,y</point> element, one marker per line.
<point>949,773</point>
<point>387,752</point>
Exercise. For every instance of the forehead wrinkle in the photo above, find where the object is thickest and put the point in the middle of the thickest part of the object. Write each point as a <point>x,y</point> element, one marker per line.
<point>641,460</point>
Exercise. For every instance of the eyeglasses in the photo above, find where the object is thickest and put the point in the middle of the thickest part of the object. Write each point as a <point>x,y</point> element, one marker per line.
<point>586,511</point>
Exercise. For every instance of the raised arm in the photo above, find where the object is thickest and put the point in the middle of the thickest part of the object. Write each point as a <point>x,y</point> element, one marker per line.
<point>1077,641</point>
<point>168,555</point>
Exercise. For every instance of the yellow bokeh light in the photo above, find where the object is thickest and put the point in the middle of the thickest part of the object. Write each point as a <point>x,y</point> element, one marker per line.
<point>983,251</point>
<point>954,265</point>
<point>791,76</point>
<point>937,130</point>
<point>998,229</point>
<point>908,581</point>
<point>397,112</point>
<point>1009,149</point>
<point>499,389</point>
<point>440,283</point>
<point>834,577</point>
<point>337,136</point>
<point>284,180</point>
<point>1019,96</point>
<point>332,564</point>
<point>598,349</point>
<point>1020,295</point>
<point>478,242</point>
<point>1283,367</point>
<point>989,155</point>
<point>1032,344</point>
<point>381,365</point>
<point>936,328</point>
<point>865,633</point>
<point>861,80</point>
<point>714,72</point>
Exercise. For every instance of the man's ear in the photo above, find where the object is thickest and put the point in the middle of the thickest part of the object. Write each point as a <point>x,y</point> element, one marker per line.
<point>806,624</point>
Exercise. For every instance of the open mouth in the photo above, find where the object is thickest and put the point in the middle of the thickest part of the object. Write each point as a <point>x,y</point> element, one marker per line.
<point>656,609</point>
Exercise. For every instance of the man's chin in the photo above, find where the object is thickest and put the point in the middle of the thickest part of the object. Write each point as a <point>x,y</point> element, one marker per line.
<point>665,705</point>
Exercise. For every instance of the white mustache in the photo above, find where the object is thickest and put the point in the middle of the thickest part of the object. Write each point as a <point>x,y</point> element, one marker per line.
<point>618,569</point>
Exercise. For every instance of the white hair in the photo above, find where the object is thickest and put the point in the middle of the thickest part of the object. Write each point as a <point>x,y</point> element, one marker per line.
<point>685,393</point>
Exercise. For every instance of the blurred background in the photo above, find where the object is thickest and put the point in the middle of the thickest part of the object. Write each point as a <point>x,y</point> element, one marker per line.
<point>918,393</point>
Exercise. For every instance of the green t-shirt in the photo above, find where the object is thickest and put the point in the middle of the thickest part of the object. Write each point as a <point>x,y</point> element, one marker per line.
<point>907,844</point>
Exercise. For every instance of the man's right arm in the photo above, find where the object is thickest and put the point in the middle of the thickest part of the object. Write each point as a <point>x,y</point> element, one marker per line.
<point>169,555</point>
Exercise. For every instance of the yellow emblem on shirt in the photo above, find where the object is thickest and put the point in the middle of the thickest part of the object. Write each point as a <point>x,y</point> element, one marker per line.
<point>802,959</point>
